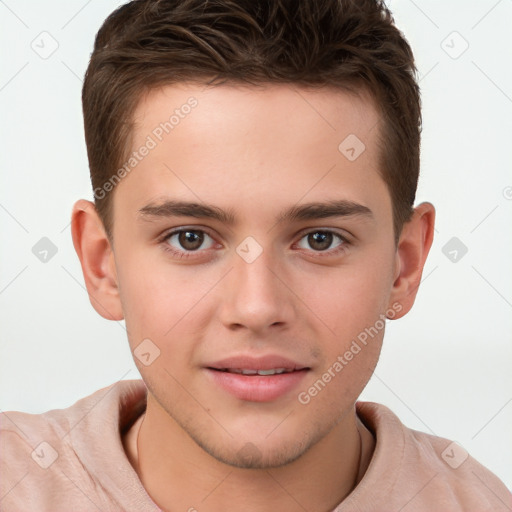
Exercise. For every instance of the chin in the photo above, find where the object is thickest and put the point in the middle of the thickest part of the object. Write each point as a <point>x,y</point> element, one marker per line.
<point>250,456</point>
<point>257,454</point>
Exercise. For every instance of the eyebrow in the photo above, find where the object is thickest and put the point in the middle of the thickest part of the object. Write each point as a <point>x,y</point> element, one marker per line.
<point>308,211</point>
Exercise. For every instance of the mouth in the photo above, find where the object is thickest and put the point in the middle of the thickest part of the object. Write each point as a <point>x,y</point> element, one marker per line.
<point>251,372</point>
<point>263,379</point>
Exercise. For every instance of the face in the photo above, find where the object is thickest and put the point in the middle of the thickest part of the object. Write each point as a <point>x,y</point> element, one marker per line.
<point>246,238</point>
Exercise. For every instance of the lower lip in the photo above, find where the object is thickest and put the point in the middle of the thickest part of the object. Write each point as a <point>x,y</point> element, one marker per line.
<point>257,388</point>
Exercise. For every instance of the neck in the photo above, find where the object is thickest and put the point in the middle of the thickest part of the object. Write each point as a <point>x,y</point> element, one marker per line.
<point>180,475</point>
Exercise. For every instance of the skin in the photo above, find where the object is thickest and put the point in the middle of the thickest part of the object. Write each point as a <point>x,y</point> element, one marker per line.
<point>255,152</point>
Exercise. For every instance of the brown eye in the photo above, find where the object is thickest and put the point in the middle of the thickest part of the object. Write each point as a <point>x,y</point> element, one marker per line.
<point>188,240</point>
<point>321,241</point>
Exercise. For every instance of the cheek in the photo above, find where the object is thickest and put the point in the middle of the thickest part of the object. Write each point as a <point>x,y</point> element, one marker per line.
<point>349,299</point>
<point>351,356</point>
<point>159,321</point>
<point>352,303</point>
<point>162,303</point>
<point>339,382</point>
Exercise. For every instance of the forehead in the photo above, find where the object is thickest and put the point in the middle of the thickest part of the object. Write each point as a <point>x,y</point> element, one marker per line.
<point>303,112</point>
<point>275,142</point>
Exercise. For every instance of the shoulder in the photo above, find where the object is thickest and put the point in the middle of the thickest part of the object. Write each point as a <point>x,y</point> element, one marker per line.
<point>455,477</point>
<point>112,403</point>
<point>50,460</point>
<point>420,471</point>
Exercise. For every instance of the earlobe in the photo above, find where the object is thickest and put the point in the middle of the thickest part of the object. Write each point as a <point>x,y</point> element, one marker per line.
<point>412,251</point>
<point>97,260</point>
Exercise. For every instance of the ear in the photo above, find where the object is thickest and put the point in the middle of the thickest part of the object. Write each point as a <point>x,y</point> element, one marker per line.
<point>412,251</point>
<point>97,260</point>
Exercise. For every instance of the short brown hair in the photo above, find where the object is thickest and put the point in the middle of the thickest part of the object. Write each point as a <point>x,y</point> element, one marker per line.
<point>346,44</point>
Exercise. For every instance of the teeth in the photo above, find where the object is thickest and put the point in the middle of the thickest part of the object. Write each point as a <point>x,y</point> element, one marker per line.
<point>273,371</point>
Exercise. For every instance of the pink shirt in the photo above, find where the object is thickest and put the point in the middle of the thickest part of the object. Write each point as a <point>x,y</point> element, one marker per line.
<point>73,460</point>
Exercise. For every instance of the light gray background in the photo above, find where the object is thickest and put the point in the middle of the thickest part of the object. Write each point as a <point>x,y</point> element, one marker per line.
<point>445,368</point>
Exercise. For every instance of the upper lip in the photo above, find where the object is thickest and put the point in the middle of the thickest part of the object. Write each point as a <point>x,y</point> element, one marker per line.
<point>247,362</point>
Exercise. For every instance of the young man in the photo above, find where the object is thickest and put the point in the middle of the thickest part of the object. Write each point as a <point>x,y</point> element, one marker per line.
<point>254,167</point>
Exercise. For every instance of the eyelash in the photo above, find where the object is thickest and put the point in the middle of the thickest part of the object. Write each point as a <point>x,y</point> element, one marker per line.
<point>192,254</point>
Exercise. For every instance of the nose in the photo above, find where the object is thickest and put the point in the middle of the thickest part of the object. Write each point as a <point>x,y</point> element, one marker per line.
<point>256,296</point>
